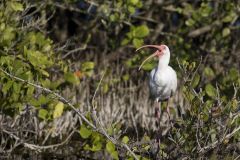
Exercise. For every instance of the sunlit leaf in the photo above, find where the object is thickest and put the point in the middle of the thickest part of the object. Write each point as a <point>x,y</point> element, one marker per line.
<point>133,2</point>
<point>137,42</point>
<point>105,87</point>
<point>71,78</point>
<point>110,147</point>
<point>58,110</point>
<point>148,66</point>
<point>114,155</point>
<point>131,9</point>
<point>42,113</point>
<point>87,66</point>
<point>141,31</point>
<point>126,77</point>
<point>85,132</point>
<point>195,80</point>
<point>125,41</point>
<point>7,86</point>
<point>210,90</point>
<point>17,6</point>
<point>96,147</point>
<point>30,90</point>
<point>190,22</point>
<point>125,139</point>
<point>226,32</point>
<point>209,72</point>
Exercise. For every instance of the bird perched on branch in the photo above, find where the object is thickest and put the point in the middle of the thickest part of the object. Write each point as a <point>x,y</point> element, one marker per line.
<point>163,79</point>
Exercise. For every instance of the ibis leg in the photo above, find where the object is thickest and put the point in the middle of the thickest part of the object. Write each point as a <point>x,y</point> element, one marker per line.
<point>155,148</point>
<point>158,110</point>
<point>168,112</point>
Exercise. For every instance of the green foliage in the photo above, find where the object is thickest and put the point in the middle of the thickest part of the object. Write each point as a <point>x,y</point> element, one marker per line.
<point>210,90</point>
<point>136,36</point>
<point>125,139</point>
<point>113,29</point>
<point>71,78</point>
<point>85,132</point>
<point>16,6</point>
<point>58,110</point>
<point>110,147</point>
<point>43,113</point>
<point>28,54</point>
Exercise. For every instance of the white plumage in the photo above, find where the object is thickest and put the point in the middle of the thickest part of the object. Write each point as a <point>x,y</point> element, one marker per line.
<point>162,83</point>
<point>163,79</point>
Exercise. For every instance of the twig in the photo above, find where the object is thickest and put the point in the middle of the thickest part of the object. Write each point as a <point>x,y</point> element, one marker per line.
<point>101,131</point>
<point>37,147</point>
<point>75,50</point>
<point>94,95</point>
<point>53,93</point>
<point>214,144</point>
<point>202,30</point>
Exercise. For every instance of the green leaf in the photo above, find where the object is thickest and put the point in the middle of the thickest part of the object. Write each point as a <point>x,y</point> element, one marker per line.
<point>208,72</point>
<point>86,66</point>
<point>139,4</point>
<point>234,104</point>
<point>114,17</point>
<point>85,132</point>
<point>105,87</point>
<point>96,147</point>
<point>133,2</point>
<point>8,34</point>
<point>190,22</point>
<point>126,77</point>
<point>147,147</point>
<point>58,110</point>
<point>227,19</point>
<point>226,32</point>
<point>43,100</point>
<point>148,66</point>
<point>195,80</point>
<point>38,59</point>
<point>30,90</point>
<point>7,86</point>
<point>17,87</point>
<point>141,31</point>
<point>137,42</point>
<point>211,91</point>
<point>114,155</point>
<point>110,147</point>
<point>230,17</point>
<point>125,41</point>
<point>42,113</point>
<point>45,73</point>
<point>131,9</point>
<point>233,74</point>
<point>125,139</point>
<point>16,6</point>
<point>71,78</point>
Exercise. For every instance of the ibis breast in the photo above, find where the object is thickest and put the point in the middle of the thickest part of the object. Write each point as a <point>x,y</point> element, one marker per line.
<point>162,83</point>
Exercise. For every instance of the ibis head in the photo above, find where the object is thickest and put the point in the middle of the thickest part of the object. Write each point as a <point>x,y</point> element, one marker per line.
<point>162,52</point>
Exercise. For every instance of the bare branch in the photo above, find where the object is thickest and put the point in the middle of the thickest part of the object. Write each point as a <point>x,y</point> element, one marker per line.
<point>216,143</point>
<point>101,130</point>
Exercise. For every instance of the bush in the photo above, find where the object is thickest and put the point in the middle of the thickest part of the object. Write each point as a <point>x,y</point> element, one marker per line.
<point>68,74</point>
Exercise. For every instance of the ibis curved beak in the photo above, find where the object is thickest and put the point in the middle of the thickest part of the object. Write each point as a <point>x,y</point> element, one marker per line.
<point>151,56</point>
<point>146,46</point>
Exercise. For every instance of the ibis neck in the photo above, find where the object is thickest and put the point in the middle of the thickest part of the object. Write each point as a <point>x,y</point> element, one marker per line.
<point>163,62</point>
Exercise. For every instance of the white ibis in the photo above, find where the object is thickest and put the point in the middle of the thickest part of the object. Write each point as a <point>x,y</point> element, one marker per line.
<point>163,79</point>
